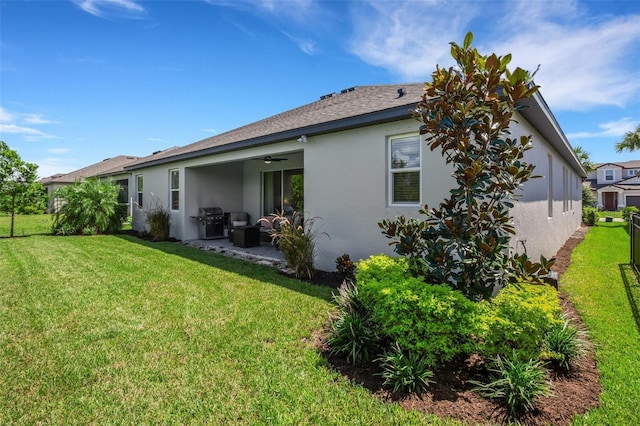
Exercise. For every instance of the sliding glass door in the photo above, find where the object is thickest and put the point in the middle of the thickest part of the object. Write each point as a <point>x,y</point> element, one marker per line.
<point>282,191</point>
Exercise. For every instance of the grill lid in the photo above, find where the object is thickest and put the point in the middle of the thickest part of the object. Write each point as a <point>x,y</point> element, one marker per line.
<point>210,211</point>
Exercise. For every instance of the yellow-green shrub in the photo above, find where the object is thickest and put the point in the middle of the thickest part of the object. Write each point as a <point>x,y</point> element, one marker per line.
<point>514,322</point>
<point>382,267</point>
<point>433,321</point>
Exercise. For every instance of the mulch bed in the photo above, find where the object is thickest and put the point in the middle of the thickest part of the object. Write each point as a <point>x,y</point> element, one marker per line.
<point>450,396</point>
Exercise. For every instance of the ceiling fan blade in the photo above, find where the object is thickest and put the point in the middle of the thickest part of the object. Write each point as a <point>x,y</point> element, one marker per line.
<point>269,159</point>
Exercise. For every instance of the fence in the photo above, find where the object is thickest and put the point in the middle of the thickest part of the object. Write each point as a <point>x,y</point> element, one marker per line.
<point>634,232</point>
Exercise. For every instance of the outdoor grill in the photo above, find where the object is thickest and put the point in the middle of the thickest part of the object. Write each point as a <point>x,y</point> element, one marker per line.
<point>210,223</point>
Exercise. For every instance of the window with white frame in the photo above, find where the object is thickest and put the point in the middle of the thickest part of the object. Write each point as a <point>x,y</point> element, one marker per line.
<point>550,185</point>
<point>565,189</point>
<point>608,174</point>
<point>404,170</point>
<point>139,190</point>
<point>174,189</point>
<point>632,172</point>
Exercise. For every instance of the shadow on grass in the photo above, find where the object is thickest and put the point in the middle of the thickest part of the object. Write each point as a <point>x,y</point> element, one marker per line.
<point>631,281</point>
<point>262,273</point>
<point>2,237</point>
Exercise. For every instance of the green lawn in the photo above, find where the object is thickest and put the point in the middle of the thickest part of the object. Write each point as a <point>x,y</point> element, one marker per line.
<point>25,225</point>
<point>115,330</point>
<point>606,293</point>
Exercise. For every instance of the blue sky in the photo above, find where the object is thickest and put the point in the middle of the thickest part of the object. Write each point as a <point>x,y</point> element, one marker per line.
<point>84,80</point>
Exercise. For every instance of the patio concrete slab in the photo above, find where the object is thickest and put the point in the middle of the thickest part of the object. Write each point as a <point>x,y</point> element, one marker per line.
<point>264,254</point>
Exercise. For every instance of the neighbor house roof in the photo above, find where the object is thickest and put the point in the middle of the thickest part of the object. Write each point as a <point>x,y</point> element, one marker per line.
<point>107,167</point>
<point>350,108</point>
<point>634,164</point>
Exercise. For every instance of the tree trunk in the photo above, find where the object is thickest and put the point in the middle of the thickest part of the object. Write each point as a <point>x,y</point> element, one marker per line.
<point>13,213</point>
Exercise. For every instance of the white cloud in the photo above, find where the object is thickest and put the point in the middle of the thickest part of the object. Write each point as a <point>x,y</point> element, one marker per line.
<point>297,11</point>
<point>24,125</point>
<point>614,129</point>
<point>307,45</point>
<point>209,130</point>
<point>36,119</point>
<point>585,62</point>
<point>5,116</point>
<point>107,8</point>
<point>299,17</point>
<point>28,133</point>
<point>156,140</point>
<point>53,165</point>
<point>409,38</point>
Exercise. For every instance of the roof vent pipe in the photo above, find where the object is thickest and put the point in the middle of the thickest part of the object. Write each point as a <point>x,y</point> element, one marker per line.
<point>401,92</point>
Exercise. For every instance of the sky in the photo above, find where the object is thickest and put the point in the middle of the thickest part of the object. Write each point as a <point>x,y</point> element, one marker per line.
<point>85,80</point>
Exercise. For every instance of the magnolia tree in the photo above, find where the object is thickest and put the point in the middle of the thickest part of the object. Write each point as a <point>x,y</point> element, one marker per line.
<point>19,191</point>
<point>465,113</point>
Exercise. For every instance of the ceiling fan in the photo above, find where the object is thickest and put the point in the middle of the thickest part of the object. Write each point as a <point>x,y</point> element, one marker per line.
<point>268,159</point>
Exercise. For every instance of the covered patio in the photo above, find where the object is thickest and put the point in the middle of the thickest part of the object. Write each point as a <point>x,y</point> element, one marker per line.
<point>263,254</point>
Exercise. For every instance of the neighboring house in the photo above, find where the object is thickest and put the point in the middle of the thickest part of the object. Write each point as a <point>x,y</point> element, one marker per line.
<point>351,159</point>
<point>616,185</point>
<point>109,168</point>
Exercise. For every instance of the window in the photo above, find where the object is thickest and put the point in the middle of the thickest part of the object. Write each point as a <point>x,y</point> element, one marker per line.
<point>565,189</point>
<point>608,174</point>
<point>283,191</point>
<point>550,187</point>
<point>404,170</point>
<point>123,193</point>
<point>174,189</point>
<point>632,172</point>
<point>139,190</point>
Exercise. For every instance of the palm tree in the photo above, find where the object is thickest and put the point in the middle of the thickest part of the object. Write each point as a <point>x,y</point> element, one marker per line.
<point>631,141</point>
<point>583,157</point>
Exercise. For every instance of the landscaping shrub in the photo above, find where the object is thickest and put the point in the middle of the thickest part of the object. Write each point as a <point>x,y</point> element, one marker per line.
<point>348,298</point>
<point>405,372</point>
<point>628,211</point>
<point>346,268</point>
<point>297,240</point>
<point>562,344</point>
<point>465,114</point>
<point>89,207</point>
<point>432,321</point>
<point>352,335</point>
<point>515,384</point>
<point>514,322</point>
<point>590,216</point>
<point>382,267</point>
<point>159,220</point>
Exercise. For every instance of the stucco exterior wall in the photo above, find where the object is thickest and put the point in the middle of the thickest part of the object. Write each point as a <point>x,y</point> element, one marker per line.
<point>542,226</point>
<point>346,188</point>
<point>155,193</point>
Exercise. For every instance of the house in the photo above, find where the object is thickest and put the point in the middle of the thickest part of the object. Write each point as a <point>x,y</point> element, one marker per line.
<point>336,159</point>
<point>109,168</point>
<point>616,184</point>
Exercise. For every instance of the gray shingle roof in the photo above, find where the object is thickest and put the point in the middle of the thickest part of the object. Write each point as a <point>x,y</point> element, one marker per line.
<point>634,164</point>
<point>350,108</point>
<point>106,167</point>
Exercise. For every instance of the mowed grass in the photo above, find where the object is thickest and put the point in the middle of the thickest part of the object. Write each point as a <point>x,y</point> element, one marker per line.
<point>25,225</point>
<point>605,290</point>
<point>115,330</point>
